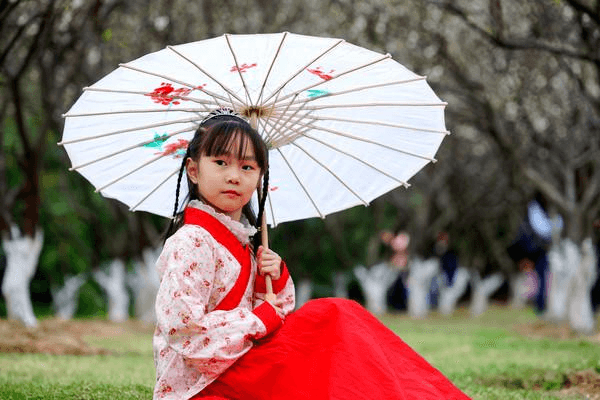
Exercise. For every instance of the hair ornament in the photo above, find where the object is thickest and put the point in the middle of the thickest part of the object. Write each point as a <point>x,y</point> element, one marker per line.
<point>221,112</point>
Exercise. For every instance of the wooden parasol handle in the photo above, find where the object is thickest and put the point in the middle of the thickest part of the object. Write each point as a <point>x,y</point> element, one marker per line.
<point>269,296</point>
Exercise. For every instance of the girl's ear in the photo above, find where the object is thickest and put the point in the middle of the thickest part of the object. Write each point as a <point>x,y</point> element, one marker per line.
<point>191,167</point>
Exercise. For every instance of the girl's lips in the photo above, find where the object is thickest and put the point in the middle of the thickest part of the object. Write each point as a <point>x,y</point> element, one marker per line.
<point>231,192</point>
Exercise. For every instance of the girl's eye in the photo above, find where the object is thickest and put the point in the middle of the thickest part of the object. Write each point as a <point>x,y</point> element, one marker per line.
<point>220,162</point>
<point>248,167</point>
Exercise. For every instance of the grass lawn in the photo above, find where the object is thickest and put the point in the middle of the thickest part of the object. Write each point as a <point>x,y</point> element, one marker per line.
<point>504,354</point>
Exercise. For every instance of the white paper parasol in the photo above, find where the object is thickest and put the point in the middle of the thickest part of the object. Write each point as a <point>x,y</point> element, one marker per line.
<point>344,124</point>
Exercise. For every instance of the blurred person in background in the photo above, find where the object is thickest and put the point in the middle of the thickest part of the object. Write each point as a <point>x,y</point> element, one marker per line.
<point>448,258</point>
<point>397,245</point>
<point>533,241</point>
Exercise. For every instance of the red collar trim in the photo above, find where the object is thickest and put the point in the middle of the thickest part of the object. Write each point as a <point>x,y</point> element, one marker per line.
<point>225,237</point>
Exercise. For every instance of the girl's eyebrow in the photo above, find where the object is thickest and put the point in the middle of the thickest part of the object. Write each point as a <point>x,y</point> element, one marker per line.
<point>230,154</point>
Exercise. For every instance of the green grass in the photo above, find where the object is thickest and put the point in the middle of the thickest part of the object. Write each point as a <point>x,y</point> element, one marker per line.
<point>484,357</point>
<point>487,359</point>
<point>127,373</point>
<point>37,376</point>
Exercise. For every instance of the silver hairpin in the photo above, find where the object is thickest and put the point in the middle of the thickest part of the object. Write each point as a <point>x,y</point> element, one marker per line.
<point>223,111</point>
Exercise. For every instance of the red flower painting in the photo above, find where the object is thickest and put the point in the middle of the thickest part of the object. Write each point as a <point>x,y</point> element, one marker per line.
<point>177,149</point>
<point>243,67</point>
<point>166,94</point>
<point>320,73</point>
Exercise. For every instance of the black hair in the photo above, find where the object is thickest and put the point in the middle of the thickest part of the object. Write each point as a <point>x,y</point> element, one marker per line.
<point>214,137</point>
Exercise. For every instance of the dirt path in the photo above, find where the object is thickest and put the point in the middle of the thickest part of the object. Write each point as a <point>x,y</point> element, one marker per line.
<point>54,336</point>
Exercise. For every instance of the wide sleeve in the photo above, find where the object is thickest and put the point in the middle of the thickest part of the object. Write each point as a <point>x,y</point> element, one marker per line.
<point>208,341</point>
<point>282,287</point>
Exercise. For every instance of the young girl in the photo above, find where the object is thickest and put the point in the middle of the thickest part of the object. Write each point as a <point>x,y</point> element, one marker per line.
<point>217,337</point>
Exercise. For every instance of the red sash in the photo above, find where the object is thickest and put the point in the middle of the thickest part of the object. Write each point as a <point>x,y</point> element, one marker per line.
<point>241,253</point>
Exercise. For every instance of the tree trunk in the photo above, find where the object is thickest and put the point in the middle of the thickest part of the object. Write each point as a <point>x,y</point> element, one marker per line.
<point>65,298</point>
<point>419,283</point>
<point>375,283</point>
<point>449,295</point>
<point>340,285</point>
<point>113,284</point>
<point>144,282</point>
<point>303,292</point>
<point>581,315</point>
<point>521,286</point>
<point>483,289</point>
<point>22,256</point>
<point>563,258</point>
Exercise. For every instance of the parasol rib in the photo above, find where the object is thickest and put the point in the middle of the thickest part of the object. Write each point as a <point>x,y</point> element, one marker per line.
<point>239,71</point>
<point>278,128</point>
<point>309,126</point>
<point>380,123</point>
<point>268,136</point>
<point>332,173</point>
<point>271,208</point>
<point>364,140</point>
<point>225,88</point>
<point>360,88</point>
<point>373,104</point>
<point>289,137</point>
<point>359,160</point>
<point>121,151</point>
<point>141,128</point>
<point>285,139</point>
<point>186,110</point>
<point>154,190</point>
<point>385,57</point>
<point>301,184</point>
<point>173,97</point>
<point>211,94</point>
<point>262,88</point>
<point>276,91</point>
<point>121,177</point>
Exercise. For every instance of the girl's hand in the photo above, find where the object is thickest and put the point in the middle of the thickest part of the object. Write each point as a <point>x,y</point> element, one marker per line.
<point>276,304</point>
<point>269,263</point>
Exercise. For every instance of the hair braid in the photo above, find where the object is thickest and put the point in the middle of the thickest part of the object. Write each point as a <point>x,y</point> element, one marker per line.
<point>176,220</point>
<point>256,240</point>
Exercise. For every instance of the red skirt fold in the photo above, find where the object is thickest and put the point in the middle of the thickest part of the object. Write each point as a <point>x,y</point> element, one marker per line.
<point>333,349</point>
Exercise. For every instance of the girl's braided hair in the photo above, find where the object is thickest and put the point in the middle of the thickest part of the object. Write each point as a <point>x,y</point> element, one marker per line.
<point>216,136</point>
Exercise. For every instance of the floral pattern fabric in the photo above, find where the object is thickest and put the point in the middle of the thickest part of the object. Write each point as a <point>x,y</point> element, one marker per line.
<point>194,343</point>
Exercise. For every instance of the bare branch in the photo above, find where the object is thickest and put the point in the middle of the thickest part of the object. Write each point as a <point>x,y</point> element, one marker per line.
<point>6,8</point>
<point>15,38</point>
<point>45,19</point>
<point>579,6</point>
<point>514,44</point>
<point>19,117</point>
<point>592,191</point>
<point>538,181</point>
<point>495,7</point>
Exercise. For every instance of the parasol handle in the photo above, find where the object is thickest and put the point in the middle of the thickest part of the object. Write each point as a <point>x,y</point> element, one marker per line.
<point>269,296</point>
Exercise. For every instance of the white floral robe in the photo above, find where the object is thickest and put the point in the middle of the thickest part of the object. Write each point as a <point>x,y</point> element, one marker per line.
<point>194,343</point>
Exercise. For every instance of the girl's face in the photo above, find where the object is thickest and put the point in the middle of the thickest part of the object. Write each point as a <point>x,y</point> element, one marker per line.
<point>226,182</point>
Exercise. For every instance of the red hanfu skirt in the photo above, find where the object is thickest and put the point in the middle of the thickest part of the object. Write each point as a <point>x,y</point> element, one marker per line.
<point>332,349</point>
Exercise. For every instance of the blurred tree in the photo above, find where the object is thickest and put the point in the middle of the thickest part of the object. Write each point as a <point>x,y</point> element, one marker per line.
<point>519,121</point>
<point>539,96</point>
<point>41,42</point>
<point>542,112</point>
